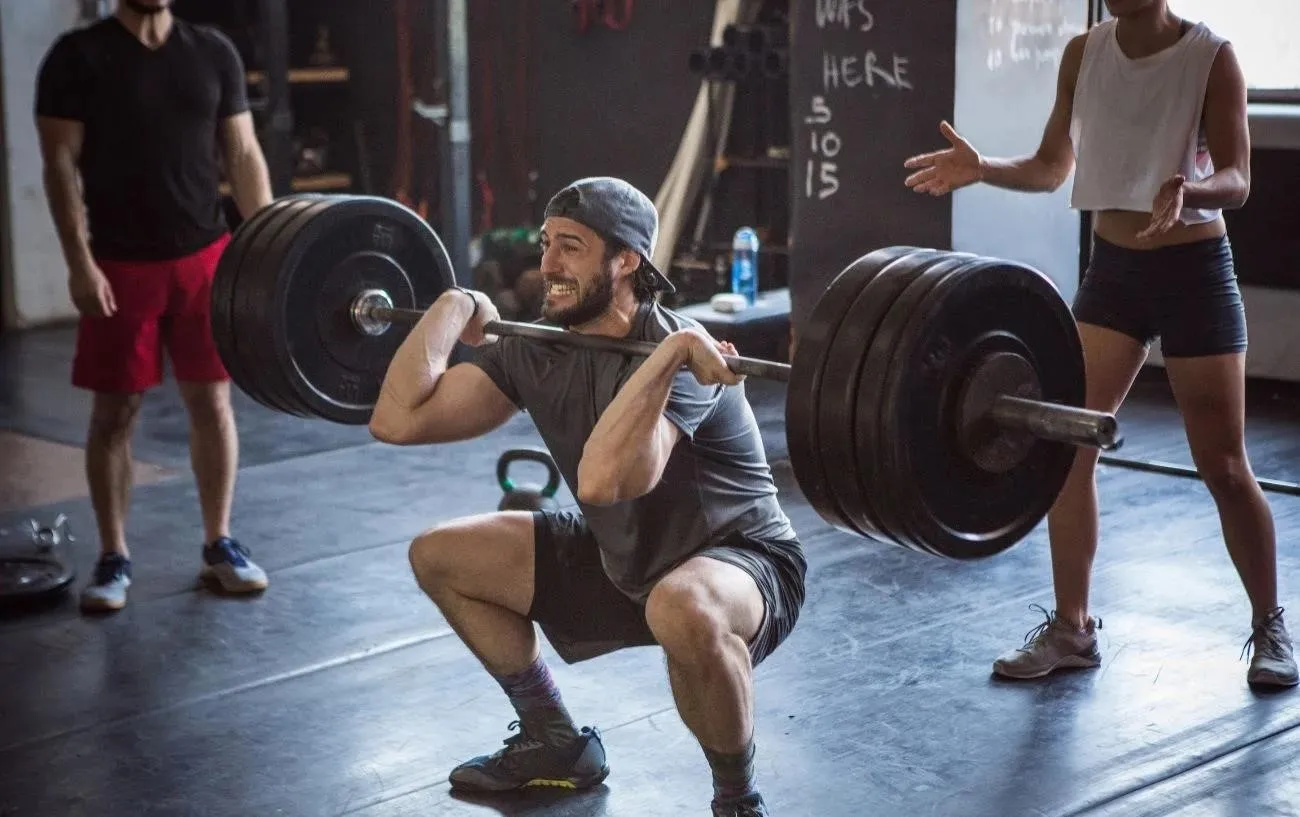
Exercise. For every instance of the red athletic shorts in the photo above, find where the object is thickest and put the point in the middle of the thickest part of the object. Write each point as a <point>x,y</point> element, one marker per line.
<point>159,304</point>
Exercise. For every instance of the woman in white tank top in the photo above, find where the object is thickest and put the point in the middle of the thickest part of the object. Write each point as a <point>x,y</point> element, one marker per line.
<point>1150,116</point>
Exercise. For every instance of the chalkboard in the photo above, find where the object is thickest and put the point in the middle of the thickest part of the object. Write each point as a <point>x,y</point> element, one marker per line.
<point>1008,58</point>
<point>869,84</point>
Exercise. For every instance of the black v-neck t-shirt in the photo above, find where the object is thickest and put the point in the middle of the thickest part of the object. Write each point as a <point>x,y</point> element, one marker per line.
<point>150,164</point>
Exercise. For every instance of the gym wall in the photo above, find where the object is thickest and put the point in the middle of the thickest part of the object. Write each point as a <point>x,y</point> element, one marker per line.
<point>594,102</point>
<point>33,276</point>
<point>607,101</point>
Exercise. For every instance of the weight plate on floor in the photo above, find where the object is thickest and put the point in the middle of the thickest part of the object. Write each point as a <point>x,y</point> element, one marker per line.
<point>943,497</point>
<point>328,257</point>
<point>806,373</point>
<point>31,578</point>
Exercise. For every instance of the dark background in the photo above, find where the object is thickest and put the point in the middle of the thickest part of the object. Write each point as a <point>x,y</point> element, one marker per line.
<point>550,102</point>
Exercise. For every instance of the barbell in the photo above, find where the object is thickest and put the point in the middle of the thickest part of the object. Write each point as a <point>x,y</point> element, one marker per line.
<point>934,400</point>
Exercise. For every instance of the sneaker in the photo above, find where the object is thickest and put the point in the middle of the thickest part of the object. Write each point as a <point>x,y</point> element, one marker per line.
<point>107,588</point>
<point>226,561</point>
<point>526,762</point>
<point>1273,663</point>
<point>751,805</point>
<point>1052,645</point>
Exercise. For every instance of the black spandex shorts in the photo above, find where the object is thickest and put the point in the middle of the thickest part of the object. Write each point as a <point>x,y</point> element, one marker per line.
<point>583,613</point>
<point>1185,294</point>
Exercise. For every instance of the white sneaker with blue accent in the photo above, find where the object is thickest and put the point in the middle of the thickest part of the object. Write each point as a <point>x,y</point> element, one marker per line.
<point>227,563</point>
<point>107,587</point>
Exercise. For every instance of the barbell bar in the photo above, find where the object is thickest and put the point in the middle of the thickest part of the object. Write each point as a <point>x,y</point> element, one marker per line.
<point>934,401</point>
<point>373,314</point>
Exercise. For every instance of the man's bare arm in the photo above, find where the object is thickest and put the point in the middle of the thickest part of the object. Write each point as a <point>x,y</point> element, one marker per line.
<point>421,400</point>
<point>61,141</point>
<point>250,181</point>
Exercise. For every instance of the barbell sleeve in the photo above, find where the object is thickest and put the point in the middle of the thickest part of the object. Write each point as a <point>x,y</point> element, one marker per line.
<point>1052,421</point>
<point>1047,421</point>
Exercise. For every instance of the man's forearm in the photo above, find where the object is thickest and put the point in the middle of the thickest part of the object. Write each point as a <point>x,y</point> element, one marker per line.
<point>422,358</point>
<point>63,192</point>
<point>250,181</point>
<point>1027,173</point>
<point>1224,189</point>
<point>623,447</point>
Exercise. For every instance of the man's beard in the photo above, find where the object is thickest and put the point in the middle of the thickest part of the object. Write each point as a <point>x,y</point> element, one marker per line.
<point>590,306</point>
<point>142,9</point>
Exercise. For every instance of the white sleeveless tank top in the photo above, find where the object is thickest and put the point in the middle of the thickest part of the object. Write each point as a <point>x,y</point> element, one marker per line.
<point>1136,122</point>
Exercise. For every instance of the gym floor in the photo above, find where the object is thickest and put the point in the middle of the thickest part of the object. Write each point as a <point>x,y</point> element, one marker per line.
<point>341,691</point>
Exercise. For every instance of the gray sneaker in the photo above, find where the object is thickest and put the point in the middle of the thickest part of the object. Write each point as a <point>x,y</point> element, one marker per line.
<point>107,588</point>
<point>526,763</point>
<point>1273,663</point>
<point>1052,645</point>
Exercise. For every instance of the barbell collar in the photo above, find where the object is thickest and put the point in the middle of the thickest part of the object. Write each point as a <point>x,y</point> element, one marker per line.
<point>1052,421</point>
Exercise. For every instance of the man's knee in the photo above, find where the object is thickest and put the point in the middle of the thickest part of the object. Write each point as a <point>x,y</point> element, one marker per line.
<point>433,555</point>
<point>208,404</point>
<point>689,619</point>
<point>112,418</point>
<point>487,557</point>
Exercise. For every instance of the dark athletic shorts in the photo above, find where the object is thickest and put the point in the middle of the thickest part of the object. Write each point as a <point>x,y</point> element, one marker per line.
<point>583,613</point>
<point>1185,294</point>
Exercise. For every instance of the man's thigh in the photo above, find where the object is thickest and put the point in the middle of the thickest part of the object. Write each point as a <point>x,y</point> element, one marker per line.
<point>486,557</point>
<point>188,327</point>
<point>122,353</point>
<point>774,573</point>
<point>581,611</point>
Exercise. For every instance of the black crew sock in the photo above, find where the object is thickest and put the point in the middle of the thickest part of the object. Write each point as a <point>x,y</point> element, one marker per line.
<point>536,699</point>
<point>733,774</point>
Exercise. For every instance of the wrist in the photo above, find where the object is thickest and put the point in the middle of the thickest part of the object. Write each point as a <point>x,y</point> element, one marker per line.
<point>81,266</point>
<point>680,345</point>
<point>459,302</point>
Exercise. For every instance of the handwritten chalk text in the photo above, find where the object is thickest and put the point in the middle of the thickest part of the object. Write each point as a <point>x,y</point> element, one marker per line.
<point>846,13</point>
<point>869,70</point>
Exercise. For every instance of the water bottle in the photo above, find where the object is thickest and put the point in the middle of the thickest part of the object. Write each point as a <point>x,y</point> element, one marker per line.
<point>744,264</point>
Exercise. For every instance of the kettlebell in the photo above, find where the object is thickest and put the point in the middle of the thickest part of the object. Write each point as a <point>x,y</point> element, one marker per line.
<point>528,496</point>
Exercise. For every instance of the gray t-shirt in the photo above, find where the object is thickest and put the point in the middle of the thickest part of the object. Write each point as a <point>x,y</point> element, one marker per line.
<point>717,480</point>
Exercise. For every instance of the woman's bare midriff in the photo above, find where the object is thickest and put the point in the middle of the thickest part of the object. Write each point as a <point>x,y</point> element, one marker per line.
<point>1121,227</point>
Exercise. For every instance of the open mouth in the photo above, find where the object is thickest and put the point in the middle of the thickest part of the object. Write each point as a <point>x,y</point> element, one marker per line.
<point>560,289</point>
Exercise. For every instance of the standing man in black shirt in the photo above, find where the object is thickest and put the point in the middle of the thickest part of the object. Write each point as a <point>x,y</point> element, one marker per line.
<point>136,114</point>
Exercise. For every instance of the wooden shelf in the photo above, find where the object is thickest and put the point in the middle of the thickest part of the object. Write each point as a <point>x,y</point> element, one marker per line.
<point>302,76</point>
<point>324,181</point>
<point>311,184</point>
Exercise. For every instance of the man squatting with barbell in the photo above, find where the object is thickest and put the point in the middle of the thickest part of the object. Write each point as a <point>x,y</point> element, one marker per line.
<point>680,540</point>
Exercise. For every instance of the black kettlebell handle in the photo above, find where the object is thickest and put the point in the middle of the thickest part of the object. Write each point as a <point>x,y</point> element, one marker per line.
<point>535,455</point>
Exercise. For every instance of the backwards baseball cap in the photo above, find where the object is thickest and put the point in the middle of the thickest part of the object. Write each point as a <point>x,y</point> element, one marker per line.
<point>617,210</point>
